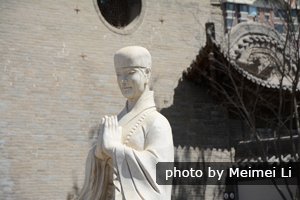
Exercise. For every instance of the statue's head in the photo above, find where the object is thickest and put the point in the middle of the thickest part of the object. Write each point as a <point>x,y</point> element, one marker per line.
<point>133,69</point>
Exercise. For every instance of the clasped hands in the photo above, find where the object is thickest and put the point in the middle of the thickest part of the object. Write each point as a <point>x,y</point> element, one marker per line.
<point>111,135</point>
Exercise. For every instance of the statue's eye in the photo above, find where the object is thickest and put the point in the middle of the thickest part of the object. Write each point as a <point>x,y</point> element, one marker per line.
<point>131,72</point>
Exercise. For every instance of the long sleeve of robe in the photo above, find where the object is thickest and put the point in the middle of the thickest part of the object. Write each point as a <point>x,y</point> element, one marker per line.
<point>137,166</point>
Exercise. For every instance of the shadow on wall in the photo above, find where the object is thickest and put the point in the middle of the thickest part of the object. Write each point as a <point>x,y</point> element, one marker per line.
<point>73,195</point>
<point>201,134</point>
<point>196,119</point>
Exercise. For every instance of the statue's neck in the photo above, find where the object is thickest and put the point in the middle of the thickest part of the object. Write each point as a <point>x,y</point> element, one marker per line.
<point>132,102</point>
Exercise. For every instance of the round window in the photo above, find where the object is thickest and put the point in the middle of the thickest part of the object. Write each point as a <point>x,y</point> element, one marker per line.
<point>120,15</point>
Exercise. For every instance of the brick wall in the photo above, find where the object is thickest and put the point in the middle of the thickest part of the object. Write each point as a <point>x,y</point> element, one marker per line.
<point>57,80</point>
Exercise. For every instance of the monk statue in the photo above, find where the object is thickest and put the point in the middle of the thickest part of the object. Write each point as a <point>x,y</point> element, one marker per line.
<point>121,165</point>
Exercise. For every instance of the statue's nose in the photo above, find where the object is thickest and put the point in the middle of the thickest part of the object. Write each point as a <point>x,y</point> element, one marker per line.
<point>123,82</point>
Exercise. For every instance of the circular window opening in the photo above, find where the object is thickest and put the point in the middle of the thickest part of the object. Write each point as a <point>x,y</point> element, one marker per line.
<point>120,13</point>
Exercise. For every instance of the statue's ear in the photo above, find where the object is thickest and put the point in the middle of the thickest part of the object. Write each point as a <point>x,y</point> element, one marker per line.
<point>147,75</point>
<point>148,72</point>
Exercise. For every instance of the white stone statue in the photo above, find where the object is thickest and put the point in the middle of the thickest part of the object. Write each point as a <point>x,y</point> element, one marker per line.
<point>122,163</point>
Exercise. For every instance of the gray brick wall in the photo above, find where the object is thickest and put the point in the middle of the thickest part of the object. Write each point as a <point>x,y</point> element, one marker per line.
<point>51,97</point>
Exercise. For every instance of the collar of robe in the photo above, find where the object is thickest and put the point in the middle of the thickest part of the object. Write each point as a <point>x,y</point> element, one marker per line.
<point>145,102</point>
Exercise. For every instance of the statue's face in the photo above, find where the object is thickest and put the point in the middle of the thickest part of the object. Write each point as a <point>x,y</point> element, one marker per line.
<point>132,81</point>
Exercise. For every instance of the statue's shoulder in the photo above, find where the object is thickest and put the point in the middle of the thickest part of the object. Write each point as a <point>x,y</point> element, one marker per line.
<point>157,126</point>
<point>156,119</point>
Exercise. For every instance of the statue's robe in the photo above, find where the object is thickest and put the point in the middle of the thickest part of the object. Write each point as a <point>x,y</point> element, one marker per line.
<point>131,172</point>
